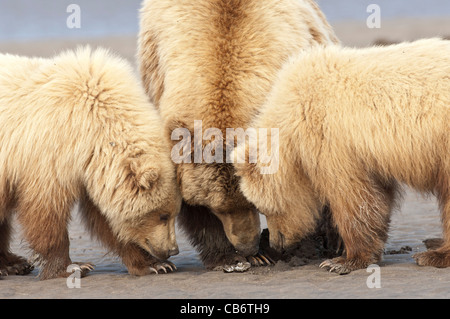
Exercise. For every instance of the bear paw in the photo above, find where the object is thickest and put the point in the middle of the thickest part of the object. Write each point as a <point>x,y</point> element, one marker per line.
<point>435,258</point>
<point>83,268</point>
<point>260,260</point>
<point>21,268</point>
<point>336,265</point>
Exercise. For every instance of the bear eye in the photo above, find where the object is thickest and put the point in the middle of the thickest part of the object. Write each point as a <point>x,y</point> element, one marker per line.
<point>164,217</point>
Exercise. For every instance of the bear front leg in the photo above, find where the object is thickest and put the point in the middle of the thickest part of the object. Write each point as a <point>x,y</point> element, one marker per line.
<point>439,255</point>
<point>137,260</point>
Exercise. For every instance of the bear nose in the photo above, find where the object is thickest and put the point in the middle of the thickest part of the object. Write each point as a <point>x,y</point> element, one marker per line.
<point>174,251</point>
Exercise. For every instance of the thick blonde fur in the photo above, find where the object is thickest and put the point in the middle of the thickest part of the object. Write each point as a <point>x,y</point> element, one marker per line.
<point>354,123</point>
<point>215,61</point>
<point>79,127</point>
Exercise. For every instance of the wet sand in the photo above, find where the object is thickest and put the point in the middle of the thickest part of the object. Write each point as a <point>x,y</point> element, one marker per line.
<point>400,277</point>
<point>418,219</point>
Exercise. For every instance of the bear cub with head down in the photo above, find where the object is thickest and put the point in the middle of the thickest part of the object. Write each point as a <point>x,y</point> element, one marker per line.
<point>353,125</point>
<point>79,128</point>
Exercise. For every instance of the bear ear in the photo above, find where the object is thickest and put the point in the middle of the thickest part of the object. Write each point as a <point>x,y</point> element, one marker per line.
<point>144,178</point>
<point>148,178</point>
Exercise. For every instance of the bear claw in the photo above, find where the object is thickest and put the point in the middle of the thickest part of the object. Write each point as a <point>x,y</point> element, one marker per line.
<point>326,263</point>
<point>87,266</point>
<point>84,268</point>
<point>335,267</point>
<point>260,260</point>
<point>163,267</point>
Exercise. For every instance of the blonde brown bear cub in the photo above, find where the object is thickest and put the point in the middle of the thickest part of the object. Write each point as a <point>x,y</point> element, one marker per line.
<point>80,128</point>
<point>352,124</point>
<point>214,61</point>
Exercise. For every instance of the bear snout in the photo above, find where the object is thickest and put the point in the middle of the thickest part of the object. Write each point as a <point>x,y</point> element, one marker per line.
<point>248,249</point>
<point>173,252</point>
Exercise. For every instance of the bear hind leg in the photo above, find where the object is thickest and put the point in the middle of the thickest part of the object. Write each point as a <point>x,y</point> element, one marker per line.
<point>440,257</point>
<point>45,227</point>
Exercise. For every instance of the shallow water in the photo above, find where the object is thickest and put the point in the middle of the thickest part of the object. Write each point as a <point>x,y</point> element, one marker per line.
<point>30,19</point>
<point>389,9</point>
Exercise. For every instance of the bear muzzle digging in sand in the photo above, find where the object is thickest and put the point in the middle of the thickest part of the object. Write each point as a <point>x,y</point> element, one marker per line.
<point>354,125</point>
<point>79,128</point>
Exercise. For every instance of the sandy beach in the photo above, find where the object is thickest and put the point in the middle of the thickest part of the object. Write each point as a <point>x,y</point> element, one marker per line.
<point>417,220</point>
<point>400,277</point>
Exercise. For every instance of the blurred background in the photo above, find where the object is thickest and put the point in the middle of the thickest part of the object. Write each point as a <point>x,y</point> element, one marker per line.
<point>39,27</point>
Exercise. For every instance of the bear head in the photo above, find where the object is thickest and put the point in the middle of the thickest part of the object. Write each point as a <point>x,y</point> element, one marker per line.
<point>139,198</point>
